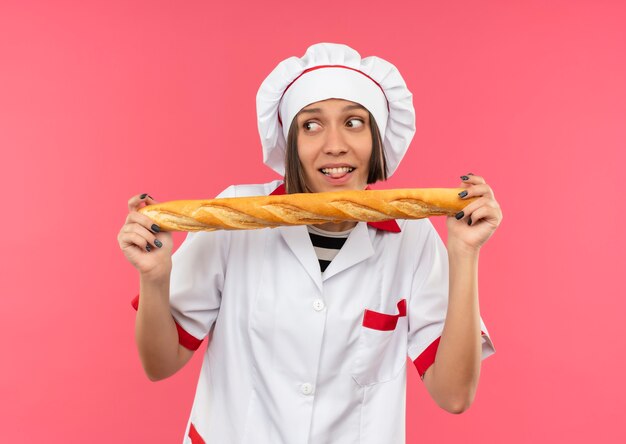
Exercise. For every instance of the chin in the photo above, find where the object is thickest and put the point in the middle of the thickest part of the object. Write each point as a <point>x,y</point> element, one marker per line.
<point>322,188</point>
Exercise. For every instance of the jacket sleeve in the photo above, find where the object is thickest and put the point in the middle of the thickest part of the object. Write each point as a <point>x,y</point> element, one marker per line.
<point>196,282</point>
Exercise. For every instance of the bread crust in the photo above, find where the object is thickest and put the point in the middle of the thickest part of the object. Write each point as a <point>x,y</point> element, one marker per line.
<point>244,213</point>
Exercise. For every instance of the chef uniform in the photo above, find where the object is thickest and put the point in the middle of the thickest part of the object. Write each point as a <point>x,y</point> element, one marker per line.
<point>297,356</point>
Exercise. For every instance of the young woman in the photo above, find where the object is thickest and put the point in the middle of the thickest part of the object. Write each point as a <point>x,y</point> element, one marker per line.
<point>309,327</point>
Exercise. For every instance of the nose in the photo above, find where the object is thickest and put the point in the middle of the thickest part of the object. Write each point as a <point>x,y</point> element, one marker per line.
<point>334,144</point>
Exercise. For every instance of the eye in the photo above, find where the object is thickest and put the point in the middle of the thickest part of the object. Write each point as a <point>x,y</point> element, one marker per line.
<point>355,123</point>
<point>310,126</point>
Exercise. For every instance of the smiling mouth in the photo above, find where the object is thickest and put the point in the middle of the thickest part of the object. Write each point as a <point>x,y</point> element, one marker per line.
<point>333,171</point>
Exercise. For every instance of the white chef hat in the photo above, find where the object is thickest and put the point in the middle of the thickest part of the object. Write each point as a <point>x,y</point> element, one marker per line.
<point>330,70</point>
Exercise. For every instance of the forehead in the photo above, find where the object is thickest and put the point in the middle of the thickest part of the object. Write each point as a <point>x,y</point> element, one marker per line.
<point>332,105</point>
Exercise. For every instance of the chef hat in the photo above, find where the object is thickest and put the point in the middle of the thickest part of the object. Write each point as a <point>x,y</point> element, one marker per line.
<point>330,70</point>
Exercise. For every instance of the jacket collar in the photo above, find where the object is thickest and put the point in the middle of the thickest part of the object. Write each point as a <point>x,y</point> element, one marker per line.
<point>386,225</point>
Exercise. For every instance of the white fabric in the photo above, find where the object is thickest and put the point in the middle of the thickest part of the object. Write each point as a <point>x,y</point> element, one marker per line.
<point>336,83</point>
<point>289,361</point>
<point>397,129</point>
<point>325,254</point>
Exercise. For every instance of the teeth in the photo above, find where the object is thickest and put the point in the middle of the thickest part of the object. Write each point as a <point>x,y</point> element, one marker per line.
<point>337,170</point>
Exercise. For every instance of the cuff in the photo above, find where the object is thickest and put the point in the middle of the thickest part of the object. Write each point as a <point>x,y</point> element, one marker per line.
<point>185,339</point>
<point>194,435</point>
<point>427,357</point>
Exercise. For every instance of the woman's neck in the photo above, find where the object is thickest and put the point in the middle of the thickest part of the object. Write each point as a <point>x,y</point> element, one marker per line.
<point>341,226</point>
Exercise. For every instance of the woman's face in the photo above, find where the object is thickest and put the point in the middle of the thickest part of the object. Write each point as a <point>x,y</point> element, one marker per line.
<point>334,145</point>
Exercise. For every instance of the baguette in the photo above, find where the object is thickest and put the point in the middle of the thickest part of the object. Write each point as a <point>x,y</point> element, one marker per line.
<point>244,213</point>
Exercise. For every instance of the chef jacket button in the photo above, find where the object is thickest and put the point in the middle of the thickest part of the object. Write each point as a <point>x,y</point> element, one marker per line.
<point>306,388</point>
<point>318,305</point>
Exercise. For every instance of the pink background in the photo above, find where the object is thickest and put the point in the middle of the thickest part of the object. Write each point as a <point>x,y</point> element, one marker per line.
<point>103,100</point>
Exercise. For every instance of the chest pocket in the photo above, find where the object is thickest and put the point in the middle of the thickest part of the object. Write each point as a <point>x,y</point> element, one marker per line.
<point>381,353</point>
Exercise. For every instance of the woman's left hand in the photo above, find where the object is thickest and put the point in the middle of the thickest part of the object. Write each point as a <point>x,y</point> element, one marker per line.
<point>472,227</point>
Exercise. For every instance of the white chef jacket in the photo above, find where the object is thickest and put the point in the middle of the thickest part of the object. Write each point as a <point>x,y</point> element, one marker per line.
<point>297,356</point>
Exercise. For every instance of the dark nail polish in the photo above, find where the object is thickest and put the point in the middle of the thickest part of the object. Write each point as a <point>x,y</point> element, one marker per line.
<point>464,178</point>
<point>459,215</point>
<point>158,243</point>
<point>143,196</point>
<point>150,197</point>
<point>155,228</point>
<point>148,248</point>
<point>463,193</point>
<point>469,221</point>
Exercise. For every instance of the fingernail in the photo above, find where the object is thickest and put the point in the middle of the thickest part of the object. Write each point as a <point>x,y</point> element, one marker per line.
<point>150,197</point>
<point>148,247</point>
<point>143,196</point>
<point>470,174</point>
<point>464,178</point>
<point>158,243</point>
<point>469,221</point>
<point>155,228</point>
<point>463,193</point>
<point>459,215</point>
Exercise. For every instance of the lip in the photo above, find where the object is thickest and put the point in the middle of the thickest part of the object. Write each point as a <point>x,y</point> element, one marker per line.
<point>335,165</point>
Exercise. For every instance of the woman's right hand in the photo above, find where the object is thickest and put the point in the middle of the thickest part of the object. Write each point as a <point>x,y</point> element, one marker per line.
<point>147,248</point>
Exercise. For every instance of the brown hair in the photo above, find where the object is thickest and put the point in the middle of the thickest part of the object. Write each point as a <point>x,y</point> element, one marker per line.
<point>294,174</point>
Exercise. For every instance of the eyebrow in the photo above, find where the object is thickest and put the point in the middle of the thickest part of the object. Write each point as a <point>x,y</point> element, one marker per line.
<point>346,108</point>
